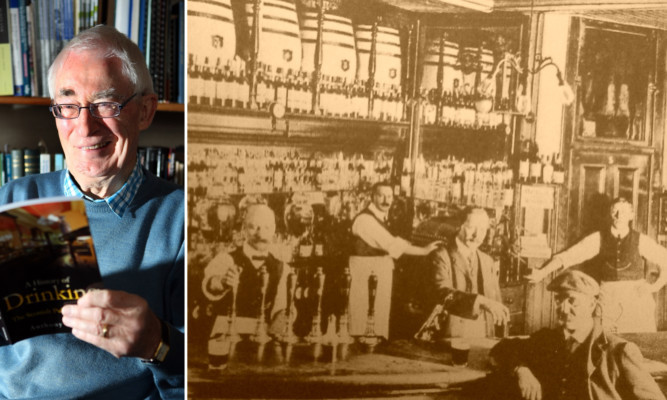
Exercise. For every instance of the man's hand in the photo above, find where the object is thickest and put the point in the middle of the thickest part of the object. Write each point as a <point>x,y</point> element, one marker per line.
<point>118,322</point>
<point>529,386</point>
<point>231,279</point>
<point>433,246</point>
<point>499,312</point>
<point>538,275</point>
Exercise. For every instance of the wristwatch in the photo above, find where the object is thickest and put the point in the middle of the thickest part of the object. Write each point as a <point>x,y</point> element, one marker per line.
<point>162,348</point>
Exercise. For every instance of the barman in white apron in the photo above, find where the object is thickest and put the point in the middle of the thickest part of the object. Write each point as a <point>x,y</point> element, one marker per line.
<point>615,258</point>
<point>374,250</point>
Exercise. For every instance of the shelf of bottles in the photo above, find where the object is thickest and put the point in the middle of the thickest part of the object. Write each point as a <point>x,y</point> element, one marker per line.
<point>487,184</point>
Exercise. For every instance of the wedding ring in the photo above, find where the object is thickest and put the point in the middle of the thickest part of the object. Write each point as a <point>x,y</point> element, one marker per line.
<point>105,331</point>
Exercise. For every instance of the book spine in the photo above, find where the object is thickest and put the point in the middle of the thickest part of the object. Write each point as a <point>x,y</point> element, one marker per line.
<point>30,162</point>
<point>3,179</point>
<point>181,53</point>
<point>7,164</point>
<point>58,161</point>
<point>45,163</point>
<point>25,48</point>
<point>6,78</point>
<point>16,47</point>
<point>122,16</point>
<point>33,43</point>
<point>17,163</point>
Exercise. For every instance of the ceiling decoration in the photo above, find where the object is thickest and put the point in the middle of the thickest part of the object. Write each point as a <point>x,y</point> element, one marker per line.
<point>647,13</point>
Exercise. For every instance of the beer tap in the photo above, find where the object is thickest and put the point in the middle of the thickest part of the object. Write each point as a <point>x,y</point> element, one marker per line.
<point>287,336</point>
<point>370,338</point>
<point>315,335</point>
<point>343,323</point>
<point>261,335</point>
<point>232,333</point>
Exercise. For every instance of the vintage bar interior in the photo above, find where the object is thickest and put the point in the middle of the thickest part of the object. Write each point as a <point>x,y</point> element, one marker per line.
<point>538,112</point>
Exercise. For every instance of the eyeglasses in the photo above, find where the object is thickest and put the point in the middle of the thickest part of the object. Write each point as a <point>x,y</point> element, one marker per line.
<point>104,109</point>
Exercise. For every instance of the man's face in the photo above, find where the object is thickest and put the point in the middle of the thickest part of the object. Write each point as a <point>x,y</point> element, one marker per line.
<point>621,215</point>
<point>98,149</point>
<point>473,231</point>
<point>259,227</point>
<point>574,310</point>
<point>383,197</point>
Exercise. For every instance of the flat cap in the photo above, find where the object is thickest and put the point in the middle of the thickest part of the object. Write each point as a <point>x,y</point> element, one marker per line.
<point>576,281</point>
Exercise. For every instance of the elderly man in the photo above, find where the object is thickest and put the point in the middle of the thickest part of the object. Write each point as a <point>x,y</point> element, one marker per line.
<point>615,258</point>
<point>235,280</point>
<point>126,340</point>
<point>374,249</point>
<point>577,359</point>
<point>469,278</point>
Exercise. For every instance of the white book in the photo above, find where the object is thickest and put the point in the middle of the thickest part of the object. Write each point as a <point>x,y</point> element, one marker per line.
<point>44,163</point>
<point>122,17</point>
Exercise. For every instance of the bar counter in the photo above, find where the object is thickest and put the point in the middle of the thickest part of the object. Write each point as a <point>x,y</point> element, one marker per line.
<point>403,369</point>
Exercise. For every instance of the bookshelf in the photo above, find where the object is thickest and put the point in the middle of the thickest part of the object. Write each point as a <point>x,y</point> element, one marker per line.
<point>26,119</point>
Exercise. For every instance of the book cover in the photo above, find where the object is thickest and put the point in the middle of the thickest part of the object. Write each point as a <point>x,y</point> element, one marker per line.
<point>30,162</point>
<point>6,78</point>
<point>48,260</point>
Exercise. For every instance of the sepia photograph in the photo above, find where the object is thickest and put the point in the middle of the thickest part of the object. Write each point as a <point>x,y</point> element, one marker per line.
<point>426,199</point>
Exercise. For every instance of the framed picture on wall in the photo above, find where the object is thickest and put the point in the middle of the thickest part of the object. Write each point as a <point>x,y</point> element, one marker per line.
<point>616,71</point>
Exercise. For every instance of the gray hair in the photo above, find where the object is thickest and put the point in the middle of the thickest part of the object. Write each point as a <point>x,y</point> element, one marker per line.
<point>108,43</point>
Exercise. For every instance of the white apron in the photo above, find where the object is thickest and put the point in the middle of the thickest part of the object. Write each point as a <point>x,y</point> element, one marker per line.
<point>361,268</point>
<point>624,309</point>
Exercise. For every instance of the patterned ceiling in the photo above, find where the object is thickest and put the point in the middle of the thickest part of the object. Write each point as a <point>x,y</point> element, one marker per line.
<point>648,13</point>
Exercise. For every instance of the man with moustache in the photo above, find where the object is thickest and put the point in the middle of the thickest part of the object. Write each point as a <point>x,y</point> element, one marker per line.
<point>615,258</point>
<point>102,98</point>
<point>577,360</point>
<point>374,249</point>
<point>469,278</point>
<point>235,280</point>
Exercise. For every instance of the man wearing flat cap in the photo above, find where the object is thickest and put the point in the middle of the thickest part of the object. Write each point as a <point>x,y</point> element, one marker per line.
<point>577,359</point>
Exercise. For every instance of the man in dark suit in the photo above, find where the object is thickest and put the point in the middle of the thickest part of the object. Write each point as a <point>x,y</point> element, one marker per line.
<point>245,277</point>
<point>470,278</point>
<point>575,360</point>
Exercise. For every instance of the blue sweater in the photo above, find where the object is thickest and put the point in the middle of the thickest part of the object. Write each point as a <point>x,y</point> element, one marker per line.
<point>140,253</point>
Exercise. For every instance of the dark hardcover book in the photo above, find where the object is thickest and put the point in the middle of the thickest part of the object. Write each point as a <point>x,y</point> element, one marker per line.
<point>30,161</point>
<point>151,159</point>
<point>180,68</point>
<point>25,48</point>
<point>15,35</point>
<point>17,163</point>
<point>7,164</point>
<point>52,264</point>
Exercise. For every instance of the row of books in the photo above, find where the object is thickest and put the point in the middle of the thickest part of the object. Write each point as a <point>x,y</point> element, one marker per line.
<point>17,163</point>
<point>157,27</point>
<point>32,33</point>
<point>164,162</point>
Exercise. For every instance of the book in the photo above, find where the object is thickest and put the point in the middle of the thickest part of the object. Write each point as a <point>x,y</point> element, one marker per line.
<point>15,35</point>
<point>48,260</point>
<point>6,78</point>
<point>17,163</point>
<point>25,48</point>
<point>45,163</point>
<point>30,161</point>
<point>58,161</point>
